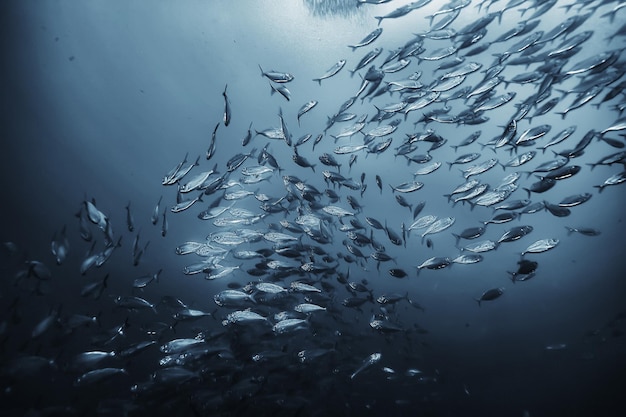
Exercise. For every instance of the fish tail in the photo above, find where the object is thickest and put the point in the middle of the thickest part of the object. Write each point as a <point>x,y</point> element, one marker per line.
<point>478,300</point>
<point>379,18</point>
<point>562,113</point>
<point>225,87</point>
<point>512,276</point>
<point>570,230</point>
<point>499,15</point>
<point>262,72</point>
<point>599,187</point>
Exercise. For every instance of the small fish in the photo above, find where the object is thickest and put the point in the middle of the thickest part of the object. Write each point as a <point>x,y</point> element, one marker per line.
<point>368,39</point>
<point>587,231</point>
<point>277,77</point>
<point>248,136</point>
<point>60,247</point>
<point>490,295</point>
<point>612,180</point>
<point>134,303</point>
<point>164,223</point>
<point>540,246</point>
<point>366,60</point>
<point>143,281</point>
<point>211,150</point>
<point>306,107</point>
<point>169,178</point>
<point>97,376</point>
<point>227,111</point>
<point>369,361</point>
<point>282,90</point>
<point>130,221</point>
<point>331,71</point>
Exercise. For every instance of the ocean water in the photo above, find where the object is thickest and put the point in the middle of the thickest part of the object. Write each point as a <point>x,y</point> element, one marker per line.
<point>101,99</point>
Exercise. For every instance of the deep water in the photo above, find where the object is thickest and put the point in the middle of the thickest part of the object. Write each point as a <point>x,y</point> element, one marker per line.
<point>101,99</point>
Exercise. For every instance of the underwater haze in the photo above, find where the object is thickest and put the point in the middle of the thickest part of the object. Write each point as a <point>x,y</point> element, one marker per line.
<point>313,208</point>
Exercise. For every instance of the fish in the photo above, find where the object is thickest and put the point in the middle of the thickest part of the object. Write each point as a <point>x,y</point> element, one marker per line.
<point>470,233</point>
<point>244,317</point>
<point>586,231</point>
<point>515,233</point>
<point>331,71</point>
<point>60,246</point>
<point>290,325</point>
<point>280,89</point>
<point>164,223</point>
<point>368,362</point>
<point>367,40</point>
<point>145,280</point>
<point>437,262</point>
<point>170,177</point>
<point>211,150</point>
<point>306,107</point>
<point>134,303</point>
<point>614,179</point>
<point>480,247</point>
<point>479,168</point>
<point>366,60</point>
<point>540,246</point>
<point>277,77</point>
<point>97,376</point>
<point>227,111</point>
<point>575,200</point>
<point>407,187</point>
<point>490,295</point>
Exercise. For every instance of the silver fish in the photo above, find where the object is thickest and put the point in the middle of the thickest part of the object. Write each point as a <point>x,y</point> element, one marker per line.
<point>368,39</point>
<point>331,71</point>
<point>369,361</point>
<point>277,77</point>
<point>541,246</point>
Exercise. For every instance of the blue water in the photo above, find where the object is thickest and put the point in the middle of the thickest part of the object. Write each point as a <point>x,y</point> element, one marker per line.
<point>101,99</point>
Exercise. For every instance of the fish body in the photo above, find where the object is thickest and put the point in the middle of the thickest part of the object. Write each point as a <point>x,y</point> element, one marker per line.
<point>227,111</point>
<point>490,295</point>
<point>277,77</point>
<point>331,71</point>
<point>540,246</point>
<point>306,107</point>
<point>368,39</point>
<point>368,362</point>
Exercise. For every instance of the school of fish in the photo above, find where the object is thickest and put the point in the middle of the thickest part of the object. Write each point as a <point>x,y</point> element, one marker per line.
<point>289,242</point>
